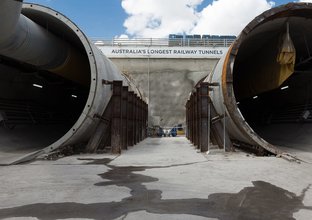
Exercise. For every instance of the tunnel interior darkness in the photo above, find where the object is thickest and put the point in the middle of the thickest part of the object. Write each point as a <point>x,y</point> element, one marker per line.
<point>38,107</point>
<point>281,115</point>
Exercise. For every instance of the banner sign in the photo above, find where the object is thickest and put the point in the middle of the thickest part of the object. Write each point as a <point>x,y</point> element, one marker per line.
<point>164,52</point>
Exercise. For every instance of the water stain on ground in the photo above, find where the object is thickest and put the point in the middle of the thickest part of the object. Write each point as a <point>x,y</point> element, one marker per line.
<point>261,201</point>
<point>103,161</point>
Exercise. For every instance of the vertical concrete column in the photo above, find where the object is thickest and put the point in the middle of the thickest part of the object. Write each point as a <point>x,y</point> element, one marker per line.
<point>124,111</point>
<point>130,120</point>
<point>204,112</point>
<point>116,131</point>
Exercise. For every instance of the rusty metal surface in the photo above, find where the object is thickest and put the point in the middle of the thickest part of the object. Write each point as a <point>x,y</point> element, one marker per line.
<point>204,124</point>
<point>102,131</point>
<point>284,11</point>
<point>221,79</point>
<point>123,123</point>
<point>124,111</point>
<point>203,116</point>
<point>135,120</point>
<point>130,118</point>
<point>116,129</point>
<point>140,120</point>
<point>195,100</point>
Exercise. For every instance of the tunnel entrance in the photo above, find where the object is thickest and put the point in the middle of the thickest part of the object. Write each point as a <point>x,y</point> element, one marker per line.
<point>278,113</point>
<point>45,81</point>
<point>36,107</point>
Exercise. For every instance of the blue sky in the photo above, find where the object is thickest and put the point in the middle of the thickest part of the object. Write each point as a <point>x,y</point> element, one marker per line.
<point>97,18</point>
<point>107,18</point>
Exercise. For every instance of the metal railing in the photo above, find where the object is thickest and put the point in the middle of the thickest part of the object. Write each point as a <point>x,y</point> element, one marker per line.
<point>165,42</point>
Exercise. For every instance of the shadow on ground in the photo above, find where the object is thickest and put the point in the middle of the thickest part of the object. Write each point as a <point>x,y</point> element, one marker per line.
<point>261,201</point>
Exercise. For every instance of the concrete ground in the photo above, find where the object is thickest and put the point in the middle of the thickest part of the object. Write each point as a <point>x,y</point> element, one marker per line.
<point>27,140</point>
<point>161,178</point>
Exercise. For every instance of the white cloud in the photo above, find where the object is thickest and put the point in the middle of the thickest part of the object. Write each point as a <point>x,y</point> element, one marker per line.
<point>228,17</point>
<point>305,0</point>
<point>123,36</point>
<point>159,18</point>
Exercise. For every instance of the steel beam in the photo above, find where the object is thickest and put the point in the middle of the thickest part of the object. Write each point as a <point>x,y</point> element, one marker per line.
<point>116,135</point>
<point>131,119</point>
<point>204,102</point>
<point>124,111</point>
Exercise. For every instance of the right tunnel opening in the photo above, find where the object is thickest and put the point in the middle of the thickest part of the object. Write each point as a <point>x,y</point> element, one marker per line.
<point>276,101</point>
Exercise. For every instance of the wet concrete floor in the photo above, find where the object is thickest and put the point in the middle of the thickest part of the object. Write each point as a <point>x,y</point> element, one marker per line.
<point>260,199</point>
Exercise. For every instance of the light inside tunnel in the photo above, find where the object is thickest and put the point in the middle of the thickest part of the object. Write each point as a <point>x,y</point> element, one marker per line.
<point>50,51</point>
<point>38,86</point>
<point>276,111</point>
<point>285,87</point>
<point>34,116</point>
<point>39,105</point>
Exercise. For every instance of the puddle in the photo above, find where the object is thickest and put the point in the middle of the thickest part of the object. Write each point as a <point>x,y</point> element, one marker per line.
<point>260,201</point>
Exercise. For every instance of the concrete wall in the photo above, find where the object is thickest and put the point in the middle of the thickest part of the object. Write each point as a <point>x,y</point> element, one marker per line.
<point>167,83</point>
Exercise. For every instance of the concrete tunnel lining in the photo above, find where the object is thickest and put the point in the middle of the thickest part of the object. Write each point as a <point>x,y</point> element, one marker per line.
<point>254,114</point>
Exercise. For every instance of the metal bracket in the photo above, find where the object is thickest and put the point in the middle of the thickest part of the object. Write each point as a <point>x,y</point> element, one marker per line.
<point>216,119</point>
<point>101,118</point>
<point>214,84</point>
<point>107,82</point>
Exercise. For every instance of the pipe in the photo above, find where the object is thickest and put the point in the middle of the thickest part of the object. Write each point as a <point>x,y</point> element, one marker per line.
<point>24,40</point>
<point>265,97</point>
<point>54,75</point>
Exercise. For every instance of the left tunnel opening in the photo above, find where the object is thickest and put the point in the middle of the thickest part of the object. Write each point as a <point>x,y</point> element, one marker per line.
<point>39,104</point>
<point>36,107</point>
